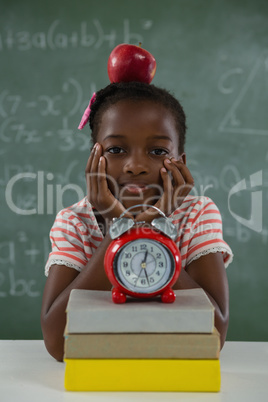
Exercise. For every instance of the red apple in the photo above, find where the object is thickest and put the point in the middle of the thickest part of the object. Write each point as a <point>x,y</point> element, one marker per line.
<point>131,63</point>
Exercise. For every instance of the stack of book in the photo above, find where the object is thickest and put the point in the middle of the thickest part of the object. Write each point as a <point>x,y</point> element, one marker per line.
<point>141,345</point>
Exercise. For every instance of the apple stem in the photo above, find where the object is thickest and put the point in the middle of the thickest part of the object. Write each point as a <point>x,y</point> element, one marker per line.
<point>140,44</point>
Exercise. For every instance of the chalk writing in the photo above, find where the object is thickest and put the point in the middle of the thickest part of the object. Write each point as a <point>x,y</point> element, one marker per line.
<point>10,170</point>
<point>233,122</point>
<point>7,252</point>
<point>87,35</point>
<point>45,104</point>
<point>66,138</point>
<point>228,176</point>
<point>17,287</point>
<point>16,253</point>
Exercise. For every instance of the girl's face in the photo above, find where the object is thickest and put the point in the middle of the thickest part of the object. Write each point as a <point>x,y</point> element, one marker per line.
<point>136,137</point>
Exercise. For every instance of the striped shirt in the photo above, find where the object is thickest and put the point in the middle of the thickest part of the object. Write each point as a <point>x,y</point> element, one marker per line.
<point>75,234</point>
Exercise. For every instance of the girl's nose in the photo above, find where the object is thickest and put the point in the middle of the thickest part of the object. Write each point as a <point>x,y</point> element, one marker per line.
<point>136,164</point>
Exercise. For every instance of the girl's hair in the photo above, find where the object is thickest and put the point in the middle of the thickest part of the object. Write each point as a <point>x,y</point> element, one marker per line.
<point>116,92</point>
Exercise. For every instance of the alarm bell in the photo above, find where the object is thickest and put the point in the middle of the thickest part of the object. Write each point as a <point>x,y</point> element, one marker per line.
<point>163,224</point>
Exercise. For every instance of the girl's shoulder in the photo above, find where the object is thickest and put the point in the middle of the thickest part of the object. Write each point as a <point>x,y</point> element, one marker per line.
<point>195,204</point>
<point>79,214</point>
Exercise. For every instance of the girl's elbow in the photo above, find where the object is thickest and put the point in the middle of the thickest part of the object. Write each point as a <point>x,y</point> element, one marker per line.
<point>223,323</point>
<point>54,343</point>
<point>54,348</point>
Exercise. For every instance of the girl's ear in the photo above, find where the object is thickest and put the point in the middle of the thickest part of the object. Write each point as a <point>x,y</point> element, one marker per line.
<point>182,158</point>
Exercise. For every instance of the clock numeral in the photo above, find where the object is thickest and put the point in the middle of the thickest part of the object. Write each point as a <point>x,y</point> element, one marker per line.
<point>143,281</point>
<point>158,255</point>
<point>128,255</point>
<point>151,280</point>
<point>158,273</point>
<point>127,273</point>
<point>160,264</point>
<point>143,247</point>
<point>134,249</point>
<point>125,264</point>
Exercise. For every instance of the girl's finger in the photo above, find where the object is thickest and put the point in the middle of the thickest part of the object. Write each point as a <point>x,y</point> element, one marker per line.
<point>102,179</point>
<point>185,172</point>
<point>178,178</point>
<point>189,182</point>
<point>165,202</point>
<point>183,181</point>
<point>181,191</point>
<point>88,174</point>
<point>89,161</point>
<point>94,171</point>
<point>88,171</point>
<point>96,158</point>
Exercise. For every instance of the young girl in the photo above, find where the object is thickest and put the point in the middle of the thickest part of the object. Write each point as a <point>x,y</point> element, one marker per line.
<point>138,131</point>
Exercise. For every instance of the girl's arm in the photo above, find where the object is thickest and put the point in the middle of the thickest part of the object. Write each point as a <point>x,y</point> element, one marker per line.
<point>208,272</point>
<point>61,280</point>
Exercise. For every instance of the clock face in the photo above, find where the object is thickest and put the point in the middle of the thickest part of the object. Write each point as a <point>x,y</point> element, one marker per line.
<point>144,265</point>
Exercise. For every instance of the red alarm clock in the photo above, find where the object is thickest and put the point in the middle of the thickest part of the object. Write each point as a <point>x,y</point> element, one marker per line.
<point>142,261</point>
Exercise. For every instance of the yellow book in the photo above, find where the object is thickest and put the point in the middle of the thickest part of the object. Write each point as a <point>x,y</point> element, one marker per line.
<point>153,375</point>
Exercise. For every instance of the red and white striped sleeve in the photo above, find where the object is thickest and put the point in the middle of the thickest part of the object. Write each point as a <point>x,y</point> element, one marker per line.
<point>199,225</point>
<point>73,239</point>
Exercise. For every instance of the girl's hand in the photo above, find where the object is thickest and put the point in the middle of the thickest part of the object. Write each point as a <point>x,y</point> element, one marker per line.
<point>177,184</point>
<point>98,192</point>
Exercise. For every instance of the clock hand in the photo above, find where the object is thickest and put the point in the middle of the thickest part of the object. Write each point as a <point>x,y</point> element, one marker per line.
<point>143,264</point>
<point>138,276</point>
<point>145,257</point>
<point>143,267</point>
<point>146,276</point>
<point>150,262</point>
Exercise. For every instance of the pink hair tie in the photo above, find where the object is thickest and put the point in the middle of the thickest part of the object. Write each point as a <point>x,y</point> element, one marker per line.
<point>86,114</point>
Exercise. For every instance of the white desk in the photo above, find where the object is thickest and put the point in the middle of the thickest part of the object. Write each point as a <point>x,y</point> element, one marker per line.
<point>28,373</point>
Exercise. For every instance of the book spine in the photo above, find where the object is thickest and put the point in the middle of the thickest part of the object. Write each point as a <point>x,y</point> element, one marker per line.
<point>142,375</point>
<point>119,322</point>
<point>142,346</point>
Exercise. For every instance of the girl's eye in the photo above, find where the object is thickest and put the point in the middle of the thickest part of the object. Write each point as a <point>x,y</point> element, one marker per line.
<point>159,152</point>
<point>115,150</point>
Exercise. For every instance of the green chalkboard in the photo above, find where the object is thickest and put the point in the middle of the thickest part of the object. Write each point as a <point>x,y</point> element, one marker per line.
<point>212,54</point>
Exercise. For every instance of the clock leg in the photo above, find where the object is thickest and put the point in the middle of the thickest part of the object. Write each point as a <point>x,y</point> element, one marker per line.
<point>168,296</point>
<point>118,296</point>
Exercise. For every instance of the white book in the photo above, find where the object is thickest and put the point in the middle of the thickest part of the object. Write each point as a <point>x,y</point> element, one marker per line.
<point>93,311</point>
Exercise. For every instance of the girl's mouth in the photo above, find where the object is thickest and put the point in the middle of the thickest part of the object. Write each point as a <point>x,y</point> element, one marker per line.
<point>134,188</point>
